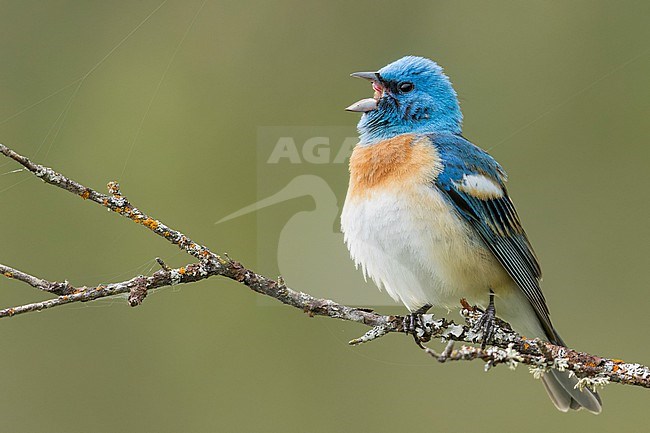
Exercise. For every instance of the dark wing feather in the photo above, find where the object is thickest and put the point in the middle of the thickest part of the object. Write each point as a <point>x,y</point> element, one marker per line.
<point>494,219</point>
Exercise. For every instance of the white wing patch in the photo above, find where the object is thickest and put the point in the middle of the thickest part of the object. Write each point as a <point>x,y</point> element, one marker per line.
<point>479,186</point>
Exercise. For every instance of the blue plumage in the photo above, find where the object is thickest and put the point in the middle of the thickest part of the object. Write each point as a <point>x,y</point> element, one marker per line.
<point>461,157</point>
<point>431,105</point>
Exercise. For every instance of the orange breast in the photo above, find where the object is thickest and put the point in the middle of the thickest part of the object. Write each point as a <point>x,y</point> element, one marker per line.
<point>398,162</point>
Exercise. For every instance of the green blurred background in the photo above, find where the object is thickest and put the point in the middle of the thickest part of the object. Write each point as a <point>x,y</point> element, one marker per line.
<point>171,107</point>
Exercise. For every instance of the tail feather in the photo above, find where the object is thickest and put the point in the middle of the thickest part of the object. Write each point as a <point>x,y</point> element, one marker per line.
<point>563,392</point>
<point>561,386</point>
<point>519,312</point>
<point>560,398</point>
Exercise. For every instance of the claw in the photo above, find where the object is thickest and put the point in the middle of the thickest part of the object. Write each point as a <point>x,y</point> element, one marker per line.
<point>413,322</point>
<point>486,323</point>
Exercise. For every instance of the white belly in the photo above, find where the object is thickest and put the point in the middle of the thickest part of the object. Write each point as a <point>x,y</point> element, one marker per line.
<point>411,243</point>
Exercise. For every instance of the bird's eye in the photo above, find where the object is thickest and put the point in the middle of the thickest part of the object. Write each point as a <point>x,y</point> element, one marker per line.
<point>405,87</point>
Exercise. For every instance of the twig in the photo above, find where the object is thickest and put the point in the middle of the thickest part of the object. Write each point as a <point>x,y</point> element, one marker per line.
<point>445,355</point>
<point>507,347</point>
<point>54,287</point>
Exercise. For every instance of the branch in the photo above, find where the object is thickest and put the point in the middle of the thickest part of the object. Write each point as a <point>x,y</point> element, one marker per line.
<point>507,347</point>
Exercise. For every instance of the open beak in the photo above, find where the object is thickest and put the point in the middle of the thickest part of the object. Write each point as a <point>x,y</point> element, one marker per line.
<point>370,76</point>
<point>368,104</point>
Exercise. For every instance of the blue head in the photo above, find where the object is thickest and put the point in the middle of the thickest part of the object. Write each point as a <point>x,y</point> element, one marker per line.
<point>412,95</point>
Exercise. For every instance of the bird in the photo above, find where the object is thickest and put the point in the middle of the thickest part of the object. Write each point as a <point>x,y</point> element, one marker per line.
<point>428,218</point>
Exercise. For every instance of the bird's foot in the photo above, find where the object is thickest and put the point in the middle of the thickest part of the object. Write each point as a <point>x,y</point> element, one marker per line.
<point>487,323</point>
<point>414,325</point>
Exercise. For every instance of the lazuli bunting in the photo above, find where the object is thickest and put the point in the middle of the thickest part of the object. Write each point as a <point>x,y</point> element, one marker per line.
<point>427,215</point>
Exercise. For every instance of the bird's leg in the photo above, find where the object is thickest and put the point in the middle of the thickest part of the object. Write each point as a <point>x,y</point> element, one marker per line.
<point>414,321</point>
<point>486,322</point>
